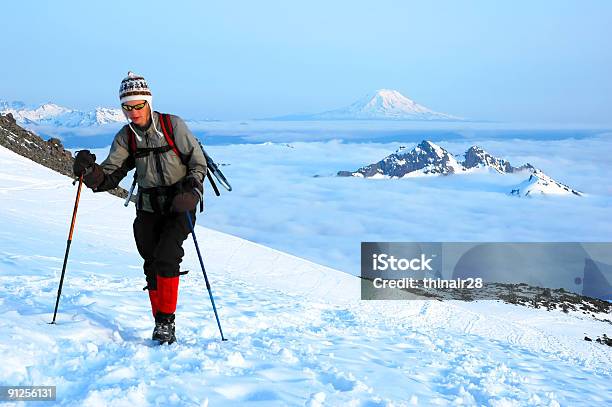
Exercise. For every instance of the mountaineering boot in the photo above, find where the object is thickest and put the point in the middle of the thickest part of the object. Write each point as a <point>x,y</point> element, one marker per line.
<point>164,328</point>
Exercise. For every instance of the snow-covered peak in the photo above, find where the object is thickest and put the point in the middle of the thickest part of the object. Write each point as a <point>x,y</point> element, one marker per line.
<point>431,149</point>
<point>384,104</point>
<point>388,102</point>
<point>428,158</point>
<point>105,115</point>
<point>23,114</point>
<point>60,116</point>
<point>539,183</point>
<point>46,111</point>
<point>476,157</point>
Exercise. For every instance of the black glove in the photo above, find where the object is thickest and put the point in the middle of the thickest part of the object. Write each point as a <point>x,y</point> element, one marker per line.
<point>83,160</point>
<point>191,184</point>
<point>85,164</point>
<point>188,199</point>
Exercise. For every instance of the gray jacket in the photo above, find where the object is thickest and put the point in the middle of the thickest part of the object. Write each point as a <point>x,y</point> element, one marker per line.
<point>153,170</point>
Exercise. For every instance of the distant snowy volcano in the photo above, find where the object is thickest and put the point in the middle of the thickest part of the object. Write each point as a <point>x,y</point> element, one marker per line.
<point>384,104</point>
<point>428,158</point>
<point>51,114</point>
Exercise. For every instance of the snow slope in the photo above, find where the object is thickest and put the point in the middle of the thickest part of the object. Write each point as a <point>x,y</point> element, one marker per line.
<point>539,183</point>
<point>298,334</point>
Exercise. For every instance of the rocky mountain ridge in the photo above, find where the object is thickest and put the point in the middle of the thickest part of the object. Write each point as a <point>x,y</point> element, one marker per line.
<point>428,158</point>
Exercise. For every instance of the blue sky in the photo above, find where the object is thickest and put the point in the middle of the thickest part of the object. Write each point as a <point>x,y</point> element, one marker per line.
<point>524,61</point>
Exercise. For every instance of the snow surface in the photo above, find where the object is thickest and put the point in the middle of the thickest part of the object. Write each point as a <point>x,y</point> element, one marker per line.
<point>298,335</point>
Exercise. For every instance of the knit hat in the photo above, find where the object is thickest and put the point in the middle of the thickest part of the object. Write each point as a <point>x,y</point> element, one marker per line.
<point>134,87</point>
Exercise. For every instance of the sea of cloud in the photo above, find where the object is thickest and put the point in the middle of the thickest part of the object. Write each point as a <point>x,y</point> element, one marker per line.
<point>286,195</point>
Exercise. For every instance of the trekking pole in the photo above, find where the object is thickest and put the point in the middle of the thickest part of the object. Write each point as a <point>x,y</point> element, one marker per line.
<point>195,241</point>
<point>74,212</point>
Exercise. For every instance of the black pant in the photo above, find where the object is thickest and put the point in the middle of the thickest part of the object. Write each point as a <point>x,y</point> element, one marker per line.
<point>159,239</point>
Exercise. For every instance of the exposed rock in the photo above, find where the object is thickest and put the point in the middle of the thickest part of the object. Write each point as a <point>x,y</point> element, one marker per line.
<point>604,340</point>
<point>477,157</point>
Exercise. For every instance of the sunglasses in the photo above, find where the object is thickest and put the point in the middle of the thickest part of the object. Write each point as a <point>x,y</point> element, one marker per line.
<point>129,108</point>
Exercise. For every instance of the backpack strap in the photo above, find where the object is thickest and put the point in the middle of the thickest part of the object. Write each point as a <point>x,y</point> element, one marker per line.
<point>166,125</point>
<point>131,141</point>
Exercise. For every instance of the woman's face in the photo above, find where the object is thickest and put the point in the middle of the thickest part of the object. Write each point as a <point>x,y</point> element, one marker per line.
<point>139,117</point>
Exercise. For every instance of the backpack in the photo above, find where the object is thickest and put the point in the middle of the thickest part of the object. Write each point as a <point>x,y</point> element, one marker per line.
<point>168,131</point>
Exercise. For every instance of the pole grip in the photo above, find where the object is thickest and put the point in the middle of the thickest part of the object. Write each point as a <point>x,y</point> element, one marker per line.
<point>76,207</point>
